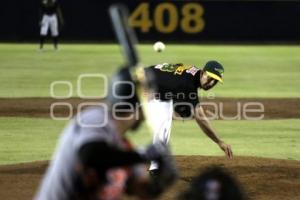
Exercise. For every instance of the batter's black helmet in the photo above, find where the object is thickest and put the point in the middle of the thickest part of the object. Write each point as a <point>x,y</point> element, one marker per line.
<point>122,90</point>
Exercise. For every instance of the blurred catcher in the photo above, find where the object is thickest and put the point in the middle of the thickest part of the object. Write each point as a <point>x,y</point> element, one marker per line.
<point>214,184</point>
<point>94,159</point>
<point>50,18</point>
<point>178,86</point>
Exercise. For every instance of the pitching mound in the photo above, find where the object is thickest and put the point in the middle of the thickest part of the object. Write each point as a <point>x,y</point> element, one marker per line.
<point>261,178</point>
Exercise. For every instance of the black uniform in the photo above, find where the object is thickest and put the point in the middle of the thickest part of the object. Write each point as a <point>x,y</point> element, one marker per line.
<point>50,18</point>
<point>179,83</point>
<point>49,7</point>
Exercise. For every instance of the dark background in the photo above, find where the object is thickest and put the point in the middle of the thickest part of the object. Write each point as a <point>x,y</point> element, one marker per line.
<point>88,20</point>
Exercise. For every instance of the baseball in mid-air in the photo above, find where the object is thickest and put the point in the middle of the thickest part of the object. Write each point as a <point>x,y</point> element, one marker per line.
<point>159,46</point>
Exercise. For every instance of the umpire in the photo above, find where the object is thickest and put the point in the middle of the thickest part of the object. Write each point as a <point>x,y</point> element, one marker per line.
<point>94,159</point>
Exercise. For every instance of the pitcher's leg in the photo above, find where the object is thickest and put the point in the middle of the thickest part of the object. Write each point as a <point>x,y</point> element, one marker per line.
<point>161,113</point>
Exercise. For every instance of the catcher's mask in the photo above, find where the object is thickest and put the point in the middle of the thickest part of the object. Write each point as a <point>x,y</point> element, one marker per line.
<point>214,184</point>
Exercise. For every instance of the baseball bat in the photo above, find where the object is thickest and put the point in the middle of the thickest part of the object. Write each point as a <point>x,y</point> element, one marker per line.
<point>128,40</point>
<point>125,34</point>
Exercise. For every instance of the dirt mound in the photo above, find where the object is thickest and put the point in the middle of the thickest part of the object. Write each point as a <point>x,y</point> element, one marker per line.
<point>263,179</point>
<point>228,108</point>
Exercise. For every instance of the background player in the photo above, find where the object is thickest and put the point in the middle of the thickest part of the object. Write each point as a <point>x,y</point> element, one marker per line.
<point>178,90</point>
<point>94,160</point>
<point>51,18</point>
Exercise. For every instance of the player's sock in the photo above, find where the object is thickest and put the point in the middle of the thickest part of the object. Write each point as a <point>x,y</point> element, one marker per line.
<point>55,42</point>
<point>154,173</point>
<point>42,40</point>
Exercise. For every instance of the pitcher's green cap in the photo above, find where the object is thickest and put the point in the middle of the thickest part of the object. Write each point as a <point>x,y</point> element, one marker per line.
<point>215,70</point>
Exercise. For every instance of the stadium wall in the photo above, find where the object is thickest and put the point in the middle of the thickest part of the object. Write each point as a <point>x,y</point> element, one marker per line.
<point>194,21</point>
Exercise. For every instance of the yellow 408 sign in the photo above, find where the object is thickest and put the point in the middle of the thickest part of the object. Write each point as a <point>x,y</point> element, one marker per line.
<point>188,18</point>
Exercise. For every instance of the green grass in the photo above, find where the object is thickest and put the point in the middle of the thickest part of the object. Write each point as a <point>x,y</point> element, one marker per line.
<point>250,71</point>
<point>267,138</point>
<point>27,139</point>
<point>30,139</point>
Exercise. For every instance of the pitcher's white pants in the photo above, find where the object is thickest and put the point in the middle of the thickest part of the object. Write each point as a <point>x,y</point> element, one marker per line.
<point>49,21</point>
<point>160,114</point>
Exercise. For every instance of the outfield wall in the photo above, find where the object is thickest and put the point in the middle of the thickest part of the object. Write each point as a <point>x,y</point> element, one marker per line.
<point>87,20</point>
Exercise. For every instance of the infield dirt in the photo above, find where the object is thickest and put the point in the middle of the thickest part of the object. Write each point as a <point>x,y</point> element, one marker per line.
<point>264,179</point>
<point>229,107</point>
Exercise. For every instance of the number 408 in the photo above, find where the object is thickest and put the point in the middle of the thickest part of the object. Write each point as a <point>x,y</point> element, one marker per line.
<point>190,19</point>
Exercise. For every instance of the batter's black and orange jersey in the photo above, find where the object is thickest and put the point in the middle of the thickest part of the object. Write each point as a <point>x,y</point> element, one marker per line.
<point>49,7</point>
<point>178,82</point>
<point>90,139</point>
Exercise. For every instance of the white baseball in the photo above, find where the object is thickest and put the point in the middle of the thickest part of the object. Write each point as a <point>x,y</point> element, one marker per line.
<point>159,46</point>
